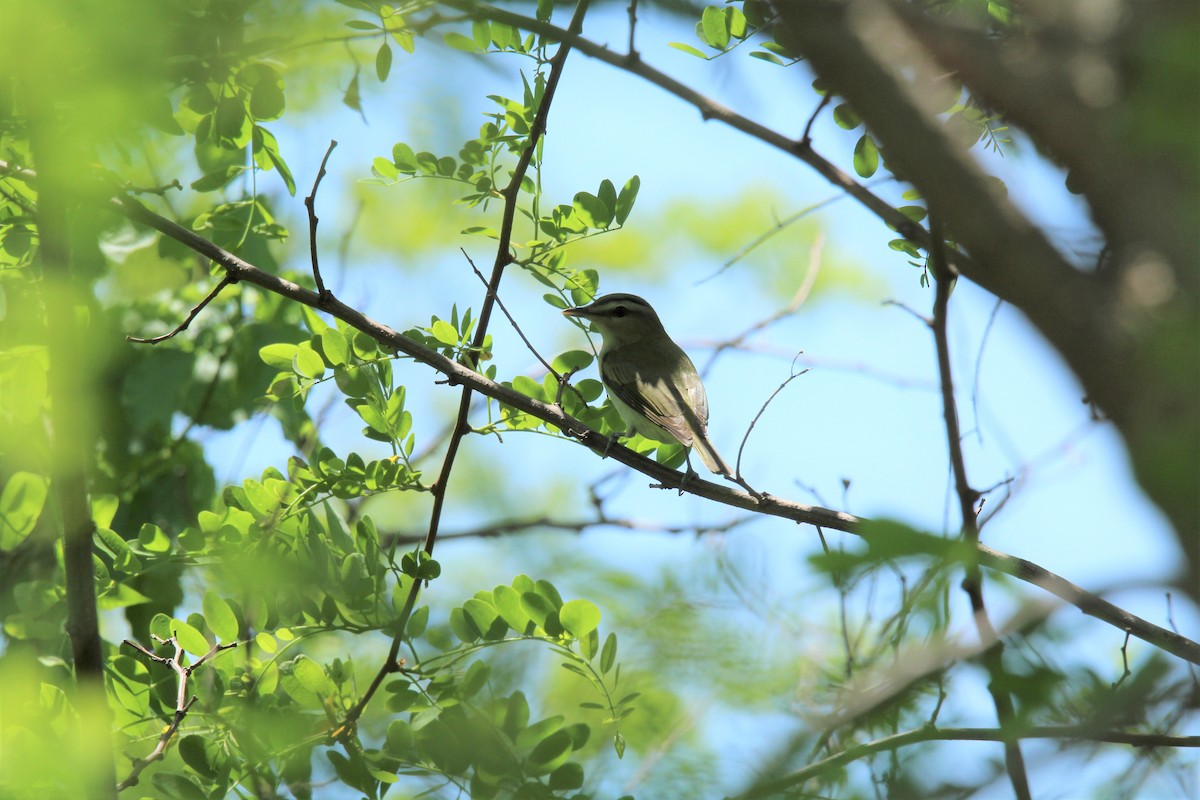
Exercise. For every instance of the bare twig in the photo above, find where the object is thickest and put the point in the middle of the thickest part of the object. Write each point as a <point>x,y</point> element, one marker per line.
<point>183,703</point>
<point>310,203</point>
<point>512,527</point>
<point>513,322</point>
<point>183,326</point>
<point>806,139</point>
<point>632,11</point>
<point>929,733</point>
<point>737,468</point>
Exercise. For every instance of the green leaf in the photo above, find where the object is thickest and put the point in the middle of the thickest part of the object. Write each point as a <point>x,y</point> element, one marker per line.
<point>417,622</point>
<point>508,603</point>
<point>21,504</point>
<point>481,33</point>
<point>270,146</point>
<point>866,156</point>
<point>537,607</point>
<point>307,364</point>
<point>463,627</point>
<point>217,178</point>
<point>189,638</point>
<point>568,776</point>
<point>177,786</point>
<point>482,614</point>
<point>312,676</point>
<point>845,117</point>
<point>715,27</point>
<point>444,332</point>
<point>460,42</point>
<point>383,61</point>
<point>627,198</point>
<point>687,48</point>
<point>572,361</point>
<point>278,356</point>
<point>404,158</point>
<point>384,168</point>
<point>528,387</point>
<point>220,617</point>
<point>608,654</point>
<point>550,753</point>
<point>579,617</point>
<point>267,100</point>
<point>592,211</point>
<point>153,539</point>
<point>334,346</point>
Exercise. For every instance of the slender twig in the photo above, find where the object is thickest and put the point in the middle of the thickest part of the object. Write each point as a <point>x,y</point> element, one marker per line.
<point>310,203</point>
<point>1125,671</point>
<point>183,326</point>
<point>930,733</point>
<point>632,11</point>
<point>72,436</point>
<point>993,657</point>
<point>495,530</point>
<point>513,322</point>
<point>183,703</point>
<point>983,340</point>
<point>737,467</point>
<point>798,300</point>
<point>806,139</point>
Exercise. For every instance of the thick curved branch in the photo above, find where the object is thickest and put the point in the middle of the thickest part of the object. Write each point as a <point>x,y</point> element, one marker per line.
<point>1128,354</point>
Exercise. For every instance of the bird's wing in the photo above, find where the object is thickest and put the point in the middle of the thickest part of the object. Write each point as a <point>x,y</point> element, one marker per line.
<point>661,401</point>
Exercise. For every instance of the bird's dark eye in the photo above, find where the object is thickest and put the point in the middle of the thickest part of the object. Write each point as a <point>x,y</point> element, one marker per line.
<point>619,311</point>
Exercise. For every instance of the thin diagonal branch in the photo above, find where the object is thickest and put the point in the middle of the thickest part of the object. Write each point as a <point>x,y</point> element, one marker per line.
<point>195,312</point>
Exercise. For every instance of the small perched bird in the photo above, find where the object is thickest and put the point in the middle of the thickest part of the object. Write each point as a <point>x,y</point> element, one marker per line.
<point>650,380</point>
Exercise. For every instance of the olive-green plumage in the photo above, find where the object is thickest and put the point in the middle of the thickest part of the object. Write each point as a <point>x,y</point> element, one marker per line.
<point>650,380</point>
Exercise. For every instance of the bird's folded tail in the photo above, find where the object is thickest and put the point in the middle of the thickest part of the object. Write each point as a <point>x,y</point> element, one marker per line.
<point>711,458</point>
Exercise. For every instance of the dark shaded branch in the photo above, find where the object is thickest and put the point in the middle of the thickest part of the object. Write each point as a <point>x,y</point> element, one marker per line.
<point>1124,347</point>
<point>310,204</point>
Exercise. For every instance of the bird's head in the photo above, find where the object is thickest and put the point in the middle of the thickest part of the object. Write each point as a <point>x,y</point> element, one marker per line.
<point>620,318</point>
